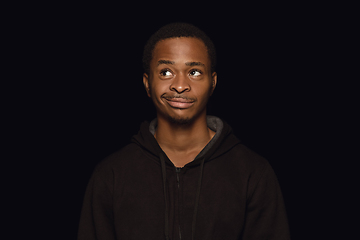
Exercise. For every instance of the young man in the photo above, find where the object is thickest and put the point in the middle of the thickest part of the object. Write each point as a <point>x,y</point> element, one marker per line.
<point>184,175</point>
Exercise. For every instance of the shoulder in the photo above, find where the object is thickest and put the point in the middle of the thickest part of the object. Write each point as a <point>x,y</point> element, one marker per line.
<point>248,158</point>
<point>253,169</point>
<point>242,162</point>
<point>119,159</point>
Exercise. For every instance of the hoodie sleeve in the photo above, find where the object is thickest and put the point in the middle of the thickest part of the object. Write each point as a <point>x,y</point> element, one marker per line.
<point>266,216</point>
<point>96,220</point>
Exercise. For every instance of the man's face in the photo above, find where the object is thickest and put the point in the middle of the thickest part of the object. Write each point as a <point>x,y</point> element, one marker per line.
<point>180,81</point>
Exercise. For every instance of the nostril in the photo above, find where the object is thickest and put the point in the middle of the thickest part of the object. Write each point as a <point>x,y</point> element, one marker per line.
<point>180,89</point>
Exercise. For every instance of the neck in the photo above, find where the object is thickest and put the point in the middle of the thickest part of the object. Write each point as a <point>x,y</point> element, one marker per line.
<point>186,138</point>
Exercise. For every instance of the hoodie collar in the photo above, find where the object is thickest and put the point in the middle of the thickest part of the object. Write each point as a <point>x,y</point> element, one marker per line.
<point>214,123</point>
<point>222,141</point>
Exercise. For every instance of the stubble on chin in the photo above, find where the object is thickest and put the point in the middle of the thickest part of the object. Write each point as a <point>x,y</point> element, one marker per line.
<point>181,121</point>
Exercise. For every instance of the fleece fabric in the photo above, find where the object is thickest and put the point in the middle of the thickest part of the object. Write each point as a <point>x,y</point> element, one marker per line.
<point>227,192</point>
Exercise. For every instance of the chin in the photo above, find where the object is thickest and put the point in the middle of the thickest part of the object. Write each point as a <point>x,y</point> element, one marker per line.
<point>180,120</point>
<point>184,118</point>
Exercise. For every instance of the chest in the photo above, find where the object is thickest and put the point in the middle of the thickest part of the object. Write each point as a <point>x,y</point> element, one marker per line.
<point>143,203</point>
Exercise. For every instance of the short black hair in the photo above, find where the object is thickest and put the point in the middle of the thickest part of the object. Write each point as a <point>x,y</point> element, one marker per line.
<point>175,30</point>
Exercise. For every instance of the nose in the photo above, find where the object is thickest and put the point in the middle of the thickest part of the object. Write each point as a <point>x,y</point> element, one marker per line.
<point>180,84</point>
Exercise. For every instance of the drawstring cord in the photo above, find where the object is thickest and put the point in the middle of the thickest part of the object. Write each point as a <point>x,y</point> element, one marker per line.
<point>163,168</point>
<point>197,199</point>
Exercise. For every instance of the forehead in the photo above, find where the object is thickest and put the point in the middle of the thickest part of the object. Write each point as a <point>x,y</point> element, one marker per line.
<point>179,50</point>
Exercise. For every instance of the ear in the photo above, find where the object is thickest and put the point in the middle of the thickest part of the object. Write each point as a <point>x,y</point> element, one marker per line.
<point>213,82</point>
<point>146,84</point>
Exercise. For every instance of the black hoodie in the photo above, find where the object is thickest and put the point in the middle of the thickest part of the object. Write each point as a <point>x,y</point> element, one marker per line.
<point>227,192</point>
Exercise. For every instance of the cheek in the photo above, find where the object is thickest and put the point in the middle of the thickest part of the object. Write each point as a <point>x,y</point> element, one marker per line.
<point>203,92</point>
<point>156,91</point>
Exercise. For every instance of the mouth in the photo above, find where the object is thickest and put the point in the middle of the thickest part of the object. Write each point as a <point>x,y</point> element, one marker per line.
<point>179,103</point>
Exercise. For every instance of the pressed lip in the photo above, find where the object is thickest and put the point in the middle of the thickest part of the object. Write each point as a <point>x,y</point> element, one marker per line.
<point>179,102</point>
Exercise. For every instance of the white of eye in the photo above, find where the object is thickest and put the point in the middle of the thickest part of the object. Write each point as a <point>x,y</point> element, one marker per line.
<point>195,73</point>
<point>166,73</point>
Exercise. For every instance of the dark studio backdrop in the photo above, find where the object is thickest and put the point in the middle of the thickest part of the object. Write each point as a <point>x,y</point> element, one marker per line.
<point>87,99</point>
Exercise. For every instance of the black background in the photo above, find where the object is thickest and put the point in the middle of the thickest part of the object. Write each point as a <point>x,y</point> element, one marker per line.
<point>82,98</point>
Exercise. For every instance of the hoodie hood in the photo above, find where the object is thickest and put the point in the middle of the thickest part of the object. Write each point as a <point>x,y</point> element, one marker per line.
<point>223,140</point>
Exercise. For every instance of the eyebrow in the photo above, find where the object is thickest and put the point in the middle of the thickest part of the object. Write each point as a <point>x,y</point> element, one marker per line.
<point>187,63</point>
<point>165,62</point>
<point>194,64</point>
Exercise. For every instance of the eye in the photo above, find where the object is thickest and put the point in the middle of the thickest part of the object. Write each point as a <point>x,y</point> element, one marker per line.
<point>195,73</point>
<point>166,73</point>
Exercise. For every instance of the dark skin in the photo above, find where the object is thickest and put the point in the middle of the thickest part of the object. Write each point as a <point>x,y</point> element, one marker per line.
<point>180,83</point>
